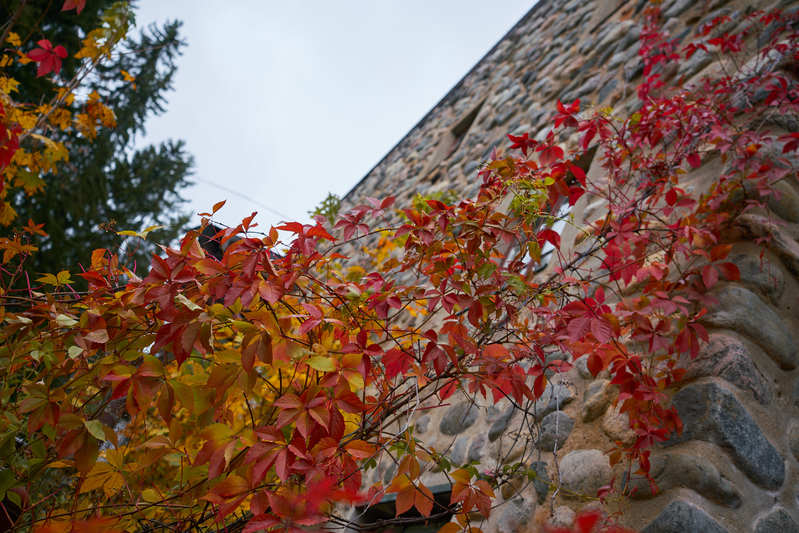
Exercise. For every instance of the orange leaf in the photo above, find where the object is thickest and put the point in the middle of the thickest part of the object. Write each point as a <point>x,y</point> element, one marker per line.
<point>405,499</point>
<point>360,449</point>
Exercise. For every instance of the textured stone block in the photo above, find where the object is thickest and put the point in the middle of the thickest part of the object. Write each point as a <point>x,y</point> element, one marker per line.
<point>584,472</point>
<point>713,414</point>
<point>458,418</point>
<point>555,429</point>
<point>683,517</point>
<point>777,521</point>
<point>742,310</point>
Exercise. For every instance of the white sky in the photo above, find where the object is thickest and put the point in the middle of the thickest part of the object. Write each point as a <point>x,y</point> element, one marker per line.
<point>285,101</point>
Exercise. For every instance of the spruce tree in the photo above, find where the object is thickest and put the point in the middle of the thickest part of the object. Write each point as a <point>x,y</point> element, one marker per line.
<point>109,183</point>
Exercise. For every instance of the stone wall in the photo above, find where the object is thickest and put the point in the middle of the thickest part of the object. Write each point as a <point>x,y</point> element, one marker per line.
<point>736,466</point>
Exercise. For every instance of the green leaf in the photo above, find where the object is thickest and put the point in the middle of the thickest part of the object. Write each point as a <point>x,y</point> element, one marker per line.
<point>74,351</point>
<point>95,428</point>
<point>486,269</point>
<point>322,364</point>
<point>6,481</point>
<point>65,321</point>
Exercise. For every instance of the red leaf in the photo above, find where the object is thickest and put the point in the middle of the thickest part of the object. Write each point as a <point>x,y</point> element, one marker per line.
<point>539,385</point>
<point>48,58</point>
<point>730,271</point>
<point>396,361</point>
<point>448,389</point>
<point>710,276</point>
<point>585,522</point>
<point>74,4</point>
<point>578,173</point>
<point>694,160</point>
<point>549,235</point>
<point>523,143</point>
<point>595,364</point>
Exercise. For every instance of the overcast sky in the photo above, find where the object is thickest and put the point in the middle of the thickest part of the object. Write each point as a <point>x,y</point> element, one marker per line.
<point>285,101</point>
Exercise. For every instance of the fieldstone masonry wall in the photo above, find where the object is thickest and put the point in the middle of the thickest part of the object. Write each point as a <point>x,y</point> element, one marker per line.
<point>735,468</point>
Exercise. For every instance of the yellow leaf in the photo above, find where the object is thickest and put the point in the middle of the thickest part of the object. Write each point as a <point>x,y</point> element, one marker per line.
<point>8,85</point>
<point>150,495</point>
<point>322,364</point>
<point>63,277</point>
<point>48,279</point>
<point>128,77</point>
<point>180,298</point>
<point>13,39</point>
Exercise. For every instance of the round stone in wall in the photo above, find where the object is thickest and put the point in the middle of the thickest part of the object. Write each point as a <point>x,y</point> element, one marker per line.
<point>562,517</point>
<point>680,516</point>
<point>555,429</point>
<point>458,418</point>
<point>422,424</point>
<point>584,472</point>
<point>596,399</point>
<point>777,521</point>
<point>616,425</point>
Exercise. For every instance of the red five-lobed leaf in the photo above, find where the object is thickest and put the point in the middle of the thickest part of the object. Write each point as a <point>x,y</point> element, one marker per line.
<point>48,58</point>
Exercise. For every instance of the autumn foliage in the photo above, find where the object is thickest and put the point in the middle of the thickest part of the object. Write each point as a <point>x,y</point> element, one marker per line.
<point>260,388</point>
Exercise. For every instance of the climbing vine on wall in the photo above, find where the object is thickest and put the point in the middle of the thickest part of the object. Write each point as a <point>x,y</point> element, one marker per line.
<point>259,388</point>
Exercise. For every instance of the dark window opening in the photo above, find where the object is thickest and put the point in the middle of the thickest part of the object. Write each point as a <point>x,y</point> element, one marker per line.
<point>458,133</point>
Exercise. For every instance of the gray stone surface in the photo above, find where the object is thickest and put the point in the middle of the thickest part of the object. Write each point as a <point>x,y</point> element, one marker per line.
<point>458,418</point>
<point>696,62</point>
<point>476,449</point>
<point>581,365</point>
<point>555,429</point>
<point>563,516</point>
<point>763,273</point>
<point>541,480</point>
<point>727,357</point>
<point>683,517</point>
<point>616,425</point>
<point>500,424</point>
<point>713,414</point>
<point>777,521</point>
<point>514,515</point>
<point>793,438</point>
<point>677,7</point>
<point>555,396</point>
<point>742,310</point>
<point>795,393</point>
<point>606,89</point>
<point>422,424</point>
<point>584,472</point>
<point>457,454</point>
<point>596,399</point>
<point>682,470</point>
